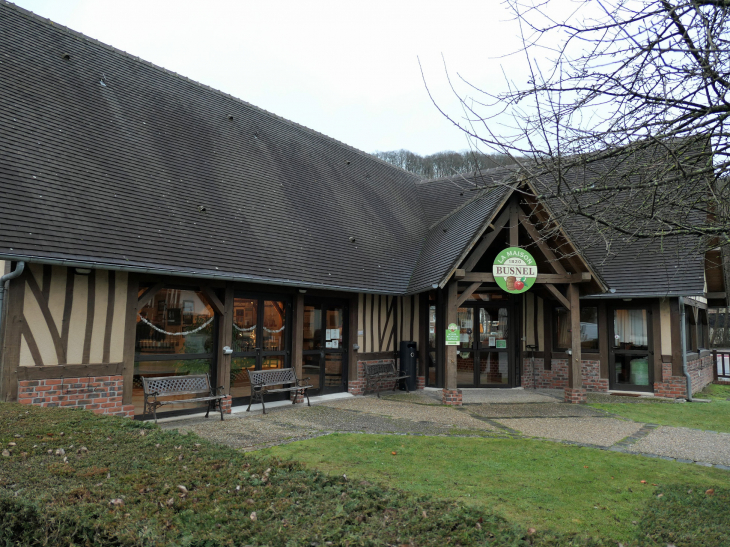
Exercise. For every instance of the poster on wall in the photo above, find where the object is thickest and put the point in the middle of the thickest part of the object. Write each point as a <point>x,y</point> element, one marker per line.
<point>453,333</point>
<point>501,344</point>
<point>514,270</point>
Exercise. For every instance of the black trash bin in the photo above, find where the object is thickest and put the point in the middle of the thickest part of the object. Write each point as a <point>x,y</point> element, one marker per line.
<point>408,363</point>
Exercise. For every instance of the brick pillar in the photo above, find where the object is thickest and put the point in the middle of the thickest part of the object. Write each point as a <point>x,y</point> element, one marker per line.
<point>356,386</point>
<point>575,395</point>
<point>420,382</point>
<point>451,397</point>
<point>226,403</point>
<point>296,397</point>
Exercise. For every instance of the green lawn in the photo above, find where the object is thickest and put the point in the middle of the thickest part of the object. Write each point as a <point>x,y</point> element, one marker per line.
<point>713,416</point>
<point>538,484</point>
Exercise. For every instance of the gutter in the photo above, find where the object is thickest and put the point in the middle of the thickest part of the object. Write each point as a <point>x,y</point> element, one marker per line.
<point>7,277</point>
<point>683,342</point>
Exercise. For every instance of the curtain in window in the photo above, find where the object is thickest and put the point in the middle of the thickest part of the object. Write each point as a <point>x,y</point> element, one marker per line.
<point>630,328</point>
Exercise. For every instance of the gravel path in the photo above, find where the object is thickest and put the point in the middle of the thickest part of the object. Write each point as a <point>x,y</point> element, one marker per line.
<point>420,414</point>
<point>491,396</point>
<point>596,431</point>
<point>686,444</point>
<point>534,410</point>
<point>443,415</point>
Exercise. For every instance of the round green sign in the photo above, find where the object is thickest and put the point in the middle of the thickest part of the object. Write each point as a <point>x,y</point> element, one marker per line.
<point>514,270</point>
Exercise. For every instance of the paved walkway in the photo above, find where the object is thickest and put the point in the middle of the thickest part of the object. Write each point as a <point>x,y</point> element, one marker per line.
<point>486,413</point>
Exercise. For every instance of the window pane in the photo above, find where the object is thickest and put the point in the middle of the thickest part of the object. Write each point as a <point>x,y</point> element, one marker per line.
<point>312,327</point>
<point>562,329</point>
<point>333,334</point>
<point>240,384</point>
<point>630,329</point>
<point>589,328</point>
<point>465,319</point>
<point>175,311</point>
<point>181,367</point>
<point>432,328</point>
<point>245,316</point>
<point>274,326</point>
<point>333,370</point>
<point>310,369</point>
<point>493,368</point>
<point>632,370</point>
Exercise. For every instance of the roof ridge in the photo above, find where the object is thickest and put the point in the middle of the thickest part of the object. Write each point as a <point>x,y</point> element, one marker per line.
<point>81,36</point>
<point>475,173</point>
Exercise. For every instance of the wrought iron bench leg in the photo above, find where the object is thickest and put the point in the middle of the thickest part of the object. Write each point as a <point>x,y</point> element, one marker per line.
<point>262,402</point>
<point>220,406</point>
<point>208,412</point>
<point>154,411</point>
<point>307,396</point>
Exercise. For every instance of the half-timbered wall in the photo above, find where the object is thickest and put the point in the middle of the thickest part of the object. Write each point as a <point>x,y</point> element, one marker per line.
<point>72,319</point>
<point>384,321</point>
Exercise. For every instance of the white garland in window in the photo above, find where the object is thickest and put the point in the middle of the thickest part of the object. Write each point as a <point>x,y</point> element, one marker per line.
<point>161,331</point>
<point>241,329</point>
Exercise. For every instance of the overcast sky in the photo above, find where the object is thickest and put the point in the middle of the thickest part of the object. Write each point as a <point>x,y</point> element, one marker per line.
<point>347,69</point>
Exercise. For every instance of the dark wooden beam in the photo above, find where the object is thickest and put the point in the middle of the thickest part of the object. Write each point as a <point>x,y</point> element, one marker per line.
<point>70,371</point>
<point>130,337</point>
<point>213,300</point>
<point>575,376</point>
<point>467,293</point>
<point>483,277</point>
<point>487,240</point>
<point>450,380</point>
<point>557,294</point>
<point>148,295</point>
<point>225,338</point>
<point>713,295</point>
<point>535,235</point>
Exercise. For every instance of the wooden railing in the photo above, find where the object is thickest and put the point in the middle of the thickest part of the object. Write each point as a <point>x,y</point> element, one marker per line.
<point>721,369</point>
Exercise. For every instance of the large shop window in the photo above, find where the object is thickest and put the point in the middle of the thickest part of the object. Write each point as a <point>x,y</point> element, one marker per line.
<point>175,336</point>
<point>588,329</point>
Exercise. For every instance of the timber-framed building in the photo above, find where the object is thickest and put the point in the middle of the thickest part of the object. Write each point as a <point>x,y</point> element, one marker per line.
<point>162,227</point>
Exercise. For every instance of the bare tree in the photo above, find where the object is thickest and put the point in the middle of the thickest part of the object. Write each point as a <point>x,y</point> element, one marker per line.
<point>624,120</point>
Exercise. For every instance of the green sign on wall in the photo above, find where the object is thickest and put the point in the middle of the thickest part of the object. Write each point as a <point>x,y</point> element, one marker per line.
<point>453,335</point>
<point>514,270</point>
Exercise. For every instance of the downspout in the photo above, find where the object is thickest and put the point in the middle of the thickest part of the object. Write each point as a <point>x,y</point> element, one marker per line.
<point>683,345</point>
<point>7,277</point>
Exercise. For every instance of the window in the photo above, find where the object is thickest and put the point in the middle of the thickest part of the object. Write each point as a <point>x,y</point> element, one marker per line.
<point>702,330</point>
<point>174,336</point>
<point>588,329</point>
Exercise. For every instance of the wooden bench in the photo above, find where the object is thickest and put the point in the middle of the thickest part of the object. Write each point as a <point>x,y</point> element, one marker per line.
<point>383,372</point>
<point>179,386</point>
<point>263,380</point>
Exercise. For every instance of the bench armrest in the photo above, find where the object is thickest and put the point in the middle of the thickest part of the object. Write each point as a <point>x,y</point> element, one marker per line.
<point>300,382</point>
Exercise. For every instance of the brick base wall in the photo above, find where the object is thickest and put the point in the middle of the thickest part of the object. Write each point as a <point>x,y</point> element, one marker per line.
<point>420,382</point>
<point>675,387</point>
<point>557,376</point>
<point>100,394</point>
<point>575,395</point>
<point>451,397</point>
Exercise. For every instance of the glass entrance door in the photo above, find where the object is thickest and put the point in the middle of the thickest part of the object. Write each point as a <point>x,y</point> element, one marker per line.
<point>630,357</point>
<point>260,341</point>
<point>325,346</point>
<point>485,352</point>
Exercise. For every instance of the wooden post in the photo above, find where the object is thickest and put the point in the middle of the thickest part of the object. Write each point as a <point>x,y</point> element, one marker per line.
<point>352,337</point>
<point>130,336</point>
<point>451,310</point>
<point>225,338</point>
<point>575,392</point>
<point>12,327</point>
<point>297,343</point>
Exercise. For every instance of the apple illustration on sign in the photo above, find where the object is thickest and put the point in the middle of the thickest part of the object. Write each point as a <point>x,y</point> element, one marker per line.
<point>519,284</point>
